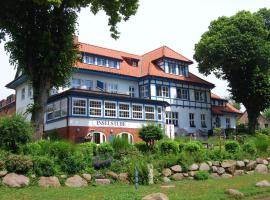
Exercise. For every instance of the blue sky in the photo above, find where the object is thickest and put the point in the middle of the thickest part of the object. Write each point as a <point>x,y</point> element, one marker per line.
<point>175,23</point>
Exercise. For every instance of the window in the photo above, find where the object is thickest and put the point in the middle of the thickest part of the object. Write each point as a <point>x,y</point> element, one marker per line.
<point>149,112</point>
<point>137,111</point>
<point>162,91</point>
<point>131,91</point>
<point>97,137</point>
<point>172,118</point>
<point>88,84</point>
<point>172,68</point>
<point>101,61</point>
<point>220,103</point>
<point>228,123</point>
<point>191,120</point>
<point>57,109</point>
<point>182,93</point>
<point>78,106</point>
<point>265,125</point>
<point>124,111</point>
<point>203,122</point>
<point>100,85</point>
<point>134,63</point>
<point>76,83</point>
<point>89,59</point>
<point>50,112</point>
<point>144,91</point>
<point>159,113</point>
<point>110,109</point>
<point>217,122</point>
<point>112,87</point>
<point>23,94</point>
<point>64,107</point>
<point>200,95</point>
<point>30,91</point>
<point>95,108</point>
<point>128,137</point>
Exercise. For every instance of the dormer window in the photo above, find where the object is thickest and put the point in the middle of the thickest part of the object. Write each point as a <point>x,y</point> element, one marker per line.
<point>101,61</point>
<point>173,67</point>
<point>134,63</point>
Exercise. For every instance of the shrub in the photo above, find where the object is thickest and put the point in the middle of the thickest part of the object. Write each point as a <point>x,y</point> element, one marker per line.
<point>14,131</point>
<point>261,142</point>
<point>105,149</point>
<point>249,148</point>
<point>19,164</point>
<point>181,146</point>
<point>168,146</point>
<point>265,131</point>
<point>43,166</point>
<point>88,148</point>
<point>142,170</point>
<point>217,154</point>
<point>52,135</point>
<point>201,175</point>
<point>192,147</point>
<point>232,147</point>
<point>61,149</point>
<point>33,149</point>
<point>150,133</point>
<point>141,146</point>
<point>73,164</point>
<point>120,146</point>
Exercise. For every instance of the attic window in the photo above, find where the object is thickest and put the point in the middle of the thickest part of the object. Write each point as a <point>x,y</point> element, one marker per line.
<point>134,63</point>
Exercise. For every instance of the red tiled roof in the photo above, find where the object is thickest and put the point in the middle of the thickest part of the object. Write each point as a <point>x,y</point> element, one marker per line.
<point>220,110</point>
<point>146,65</point>
<point>214,96</point>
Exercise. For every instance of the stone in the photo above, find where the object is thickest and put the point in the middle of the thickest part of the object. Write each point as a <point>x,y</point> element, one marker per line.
<point>99,176</point>
<point>177,176</point>
<point>123,177</point>
<point>228,163</point>
<point>214,168</point>
<point>230,170</point>
<point>191,173</point>
<point>226,176</point>
<point>263,183</point>
<point>268,159</point>
<point>250,172</point>
<point>63,176</point>
<point>216,163</point>
<point>204,167</point>
<point>246,161</point>
<point>261,169</point>
<point>209,163</point>
<point>167,186</point>
<point>234,193</point>
<point>103,181</point>
<point>112,175</point>
<point>156,196</point>
<point>251,165</point>
<point>87,177</point>
<point>240,164</point>
<point>190,178</point>
<point>185,174</point>
<point>176,168</point>
<point>3,173</point>
<point>239,172</point>
<point>259,160</point>
<point>167,172</point>
<point>15,180</point>
<point>265,162</point>
<point>214,175</point>
<point>220,170</point>
<point>193,167</point>
<point>166,179</point>
<point>51,181</point>
<point>75,181</point>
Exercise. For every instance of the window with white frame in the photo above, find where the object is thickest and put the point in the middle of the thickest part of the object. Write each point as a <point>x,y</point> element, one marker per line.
<point>182,93</point>
<point>109,109</point>
<point>172,118</point>
<point>78,106</point>
<point>144,91</point>
<point>23,94</point>
<point>88,84</point>
<point>131,91</point>
<point>191,120</point>
<point>56,109</point>
<point>124,110</point>
<point>128,137</point>
<point>228,123</point>
<point>97,137</point>
<point>30,90</point>
<point>159,113</point>
<point>95,108</point>
<point>200,95</point>
<point>89,59</point>
<point>149,112</point>
<point>64,107</point>
<point>162,91</point>
<point>203,121</point>
<point>49,112</point>
<point>101,61</point>
<point>112,87</point>
<point>137,111</point>
<point>76,83</point>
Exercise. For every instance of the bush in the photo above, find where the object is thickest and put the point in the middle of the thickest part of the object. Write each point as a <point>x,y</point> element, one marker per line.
<point>265,131</point>
<point>43,166</point>
<point>217,154</point>
<point>88,148</point>
<point>52,135</point>
<point>120,146</point>
<point>261,142</point>
<point>19,164</point>
<point>168,146</point>
<point>201,175</point>
<point>150,133</point>
<point>192,147</point>
<point>249,148</point>
<point>14,131</point>
<point>232,147</point>
<point>73,164</point>
<point>105,149</point>
<point>33,149</point>
<point>61,149</point>
<point>142,170</point>
<point>141,146</point>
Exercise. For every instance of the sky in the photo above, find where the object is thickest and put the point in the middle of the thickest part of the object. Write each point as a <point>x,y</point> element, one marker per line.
<point>177,24</point>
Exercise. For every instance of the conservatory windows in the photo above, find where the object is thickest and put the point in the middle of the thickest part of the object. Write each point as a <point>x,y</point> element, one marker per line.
<point>124,110</point>
<point>95,108</point>
<point>78,106</point>
<point>149,112</point>
<point>109,109</point>
<point>137,111</point>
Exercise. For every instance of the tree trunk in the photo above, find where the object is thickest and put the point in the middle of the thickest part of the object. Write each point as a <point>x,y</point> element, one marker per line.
<point>40,97</point>
<point>252,120</point>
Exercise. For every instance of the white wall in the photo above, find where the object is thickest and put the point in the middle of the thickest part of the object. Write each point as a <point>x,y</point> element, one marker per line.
<point>223,121</point>
<point>21,105</point>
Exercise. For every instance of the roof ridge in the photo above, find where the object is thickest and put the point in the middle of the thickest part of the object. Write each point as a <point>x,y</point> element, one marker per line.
<point>109,49</point>
<point>200,78</point>
<point>153,50</point>
<point>178,53</point>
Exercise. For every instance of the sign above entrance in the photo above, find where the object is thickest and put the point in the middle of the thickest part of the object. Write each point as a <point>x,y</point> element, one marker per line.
<point>110,123</point>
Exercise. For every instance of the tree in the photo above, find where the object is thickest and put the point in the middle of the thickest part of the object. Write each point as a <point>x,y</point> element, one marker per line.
<point>150,133</point>
<point>266,113</point>
<point>41,42</point>
<point>237,49</point>
<point>231,101</point>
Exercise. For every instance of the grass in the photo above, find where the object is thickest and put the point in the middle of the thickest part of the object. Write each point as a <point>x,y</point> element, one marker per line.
<point>212,189</point>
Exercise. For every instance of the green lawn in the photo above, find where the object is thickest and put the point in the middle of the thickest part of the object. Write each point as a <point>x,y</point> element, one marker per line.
<point>208,190</point>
